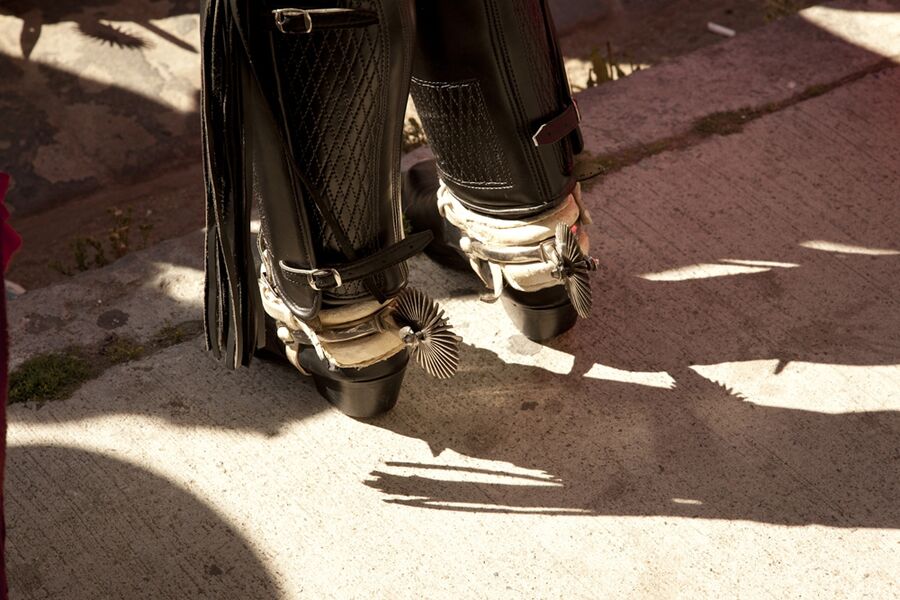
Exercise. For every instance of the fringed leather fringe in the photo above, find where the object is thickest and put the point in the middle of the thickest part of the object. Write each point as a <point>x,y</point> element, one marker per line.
<point>231,289</point>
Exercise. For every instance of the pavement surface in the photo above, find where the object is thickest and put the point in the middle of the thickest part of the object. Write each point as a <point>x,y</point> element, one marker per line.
<point>726,425</point>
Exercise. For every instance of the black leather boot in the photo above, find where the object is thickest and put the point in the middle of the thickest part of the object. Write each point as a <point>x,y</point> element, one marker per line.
<point>492,94</point>
<point>302,108</point>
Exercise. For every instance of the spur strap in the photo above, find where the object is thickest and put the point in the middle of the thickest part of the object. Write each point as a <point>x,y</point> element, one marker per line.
<point>328,278</point>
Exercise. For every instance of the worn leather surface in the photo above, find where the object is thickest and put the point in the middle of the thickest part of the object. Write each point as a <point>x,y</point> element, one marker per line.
<point>486,76</point>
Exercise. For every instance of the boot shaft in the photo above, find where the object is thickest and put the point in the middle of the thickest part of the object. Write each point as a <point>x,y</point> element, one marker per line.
<point>302,109</point>
<point>495,104</point>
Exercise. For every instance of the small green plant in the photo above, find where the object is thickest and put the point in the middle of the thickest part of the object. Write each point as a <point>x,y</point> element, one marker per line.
<point>100,259</point>
<point>79,251</point>
<point>607,68</point>
<point>120,231</point>
<point>60,268</point>
<point>49,377</point>
<point>88,252</point>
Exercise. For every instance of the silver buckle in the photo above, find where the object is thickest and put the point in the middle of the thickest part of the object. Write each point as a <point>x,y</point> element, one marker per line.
<point>283,14</point>
<point>311,278</point>
<point>311,275</point>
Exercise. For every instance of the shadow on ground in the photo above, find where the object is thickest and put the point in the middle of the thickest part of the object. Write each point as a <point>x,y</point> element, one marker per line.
<point>88,16</point>
<point>150,537</point>
<point>696,450</point>
<point>680,445</point>
<point>763,258</point>
<point>68,130</point>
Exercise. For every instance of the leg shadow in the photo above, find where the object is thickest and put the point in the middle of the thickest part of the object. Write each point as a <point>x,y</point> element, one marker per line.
<point>85,525</point>
<point>692,448</point>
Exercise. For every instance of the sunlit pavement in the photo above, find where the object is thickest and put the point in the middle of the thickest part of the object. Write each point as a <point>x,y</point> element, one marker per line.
<point>726,425</point>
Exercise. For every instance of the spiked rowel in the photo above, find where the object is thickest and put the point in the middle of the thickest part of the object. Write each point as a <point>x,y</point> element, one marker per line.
<point>572,268</point>
<point>425,331</point>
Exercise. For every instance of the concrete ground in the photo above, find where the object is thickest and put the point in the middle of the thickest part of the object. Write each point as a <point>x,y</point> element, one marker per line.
<point>726,425</point>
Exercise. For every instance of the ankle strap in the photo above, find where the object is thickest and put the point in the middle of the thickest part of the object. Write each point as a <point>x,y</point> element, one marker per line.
<point>328,278</point>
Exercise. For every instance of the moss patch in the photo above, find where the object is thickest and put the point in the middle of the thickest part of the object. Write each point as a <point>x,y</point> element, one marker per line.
<point>778,9</point>
<point>55,375</point>
<point>49,377</point>
<point>175,334</point>
<point>723,123</point>
<point>119,349</point>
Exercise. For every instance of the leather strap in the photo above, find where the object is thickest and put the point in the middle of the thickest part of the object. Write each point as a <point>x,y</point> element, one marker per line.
<point>303,21</point>
<point>327,278</point>
<point>558,127</point>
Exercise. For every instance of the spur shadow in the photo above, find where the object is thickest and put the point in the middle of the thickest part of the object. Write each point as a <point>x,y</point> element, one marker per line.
<point>599,447</point>
<point>828,308</point>
<point>149,537</point>
<point>784,286</point>
<point>88,16</point>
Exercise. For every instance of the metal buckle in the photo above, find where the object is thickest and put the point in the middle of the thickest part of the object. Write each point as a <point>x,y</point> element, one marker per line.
<point>312,274</point>
<point>283,14</point>
<point>311,278</point>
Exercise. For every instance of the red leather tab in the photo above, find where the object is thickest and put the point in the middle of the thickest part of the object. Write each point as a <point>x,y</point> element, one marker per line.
<point>558,127</point>
<point>9,239</point>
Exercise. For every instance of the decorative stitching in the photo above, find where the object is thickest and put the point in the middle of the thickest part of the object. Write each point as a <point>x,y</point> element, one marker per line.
<point>461,133</point>
<point>334,87</point>
<point>545,76</point>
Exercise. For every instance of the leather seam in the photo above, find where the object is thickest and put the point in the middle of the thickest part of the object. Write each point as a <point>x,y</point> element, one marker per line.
<point>502,58</point>
<point>456,95</point>
<point>477,185</point>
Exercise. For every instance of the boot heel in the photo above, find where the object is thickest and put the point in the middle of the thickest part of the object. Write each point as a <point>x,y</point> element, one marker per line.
<point>540,315</point>
<point>359,393</point>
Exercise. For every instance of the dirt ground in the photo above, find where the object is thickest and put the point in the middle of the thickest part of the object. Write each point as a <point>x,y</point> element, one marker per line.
<point>66,238</point>
<point>648,32</point>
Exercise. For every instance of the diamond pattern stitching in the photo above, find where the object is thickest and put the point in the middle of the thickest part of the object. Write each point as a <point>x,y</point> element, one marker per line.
<point>461,134</point>
<point>333,85</point>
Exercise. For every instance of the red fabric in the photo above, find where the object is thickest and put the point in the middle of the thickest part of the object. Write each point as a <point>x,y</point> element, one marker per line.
<point>9,239</point>
<point>3,383</point>
<point>9,243</point>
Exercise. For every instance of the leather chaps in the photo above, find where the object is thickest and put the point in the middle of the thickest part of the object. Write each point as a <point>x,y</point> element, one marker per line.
<point>302,110</point>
